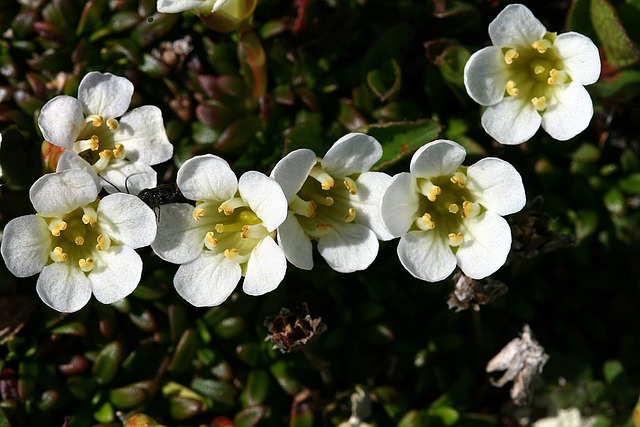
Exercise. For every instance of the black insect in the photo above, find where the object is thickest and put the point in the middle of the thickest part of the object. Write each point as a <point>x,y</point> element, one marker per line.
<point>161,195</point>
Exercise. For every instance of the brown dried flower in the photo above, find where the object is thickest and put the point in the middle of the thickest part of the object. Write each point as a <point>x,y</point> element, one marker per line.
<point>293,329</point>
<point>470,292</point>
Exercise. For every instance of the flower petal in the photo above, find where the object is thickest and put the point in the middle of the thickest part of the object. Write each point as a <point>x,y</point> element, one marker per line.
<point>180,238</point>
<point>496,185</point>
<point>486,76</point>
<point>515,26</point>
<point>400,203</point>
<point>487,241</point>
<point>127,219</point>
<point>207,177</point>
<point>59,193</point>
<point>437,158</point>
<point>265,197</point>
<point>125,176</point>
<point>569,114</point>
<point>353,153</point>
<point>63,287</point>
<point>348,247</point>
<point>265,269</point>
<point>207,280</point>
<point>511,121</point>
<point>143,136</point>
<point>61,120</point>
<point>25,246</point>
<point>292,171</point>
<point>70,160</point>
<point>177,6</point>
<point>295,243</point>
<point>426,255</point>
<point>105,94</point>
<point>367,201</point>
<point>580,56</point>
<point>116,274</point>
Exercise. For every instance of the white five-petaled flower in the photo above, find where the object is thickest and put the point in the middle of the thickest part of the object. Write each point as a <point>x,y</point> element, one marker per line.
<point>119,151</point>
<point>531,77</point>
<point>335,201</point>
<point>448,214</point>
<point>229,233</point>
<point>79,244</point>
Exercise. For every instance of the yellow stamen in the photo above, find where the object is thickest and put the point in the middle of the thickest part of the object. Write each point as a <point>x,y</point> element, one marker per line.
<point>79,240</point>
<point>95,120</point>
<point>425,222</point>
<point>455,239</point>
<point>86,265</point>
<point>57,255</point>
<point>512,89</point>
<point>541,45</point>
<point>104,242</point>
<point>349,217</point>
<point>90,216</point>
<point>539,103</point>
<point>470,209</point>
<point>303,207</point>
<point>210,241</point>
<point>323,227</point>
<point>229,206</point>
<point>56,226</point>
<point>453,208</point>
<point>430,190</point>
<point>320,175</point>
<point>92,144</point>
<point>231,253</point>
<point>112,124</point>
<point>459,178</point>
<point>351,186</point>
<point>510,56</point>
<point>118,151</point>
<point>557,77</point>
<point>103,161</point>
<point>198,213</point>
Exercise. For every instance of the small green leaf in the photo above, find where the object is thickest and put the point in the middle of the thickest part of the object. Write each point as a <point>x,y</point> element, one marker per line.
<point>385,80</point>
<point>107,363</point>
<point>617,46</point>
<point>611,370</point>
<point>630,184</point>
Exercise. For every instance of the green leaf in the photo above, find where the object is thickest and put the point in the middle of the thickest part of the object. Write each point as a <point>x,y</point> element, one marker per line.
<point>107,363</point>
<point>611,370</point>
<point>451,63</point>
<point>218,391</point>
<point>385,81</point>
<point>618,48</point>
<point>630,184</point>
<point>626,83</point>
<point>401,139</point>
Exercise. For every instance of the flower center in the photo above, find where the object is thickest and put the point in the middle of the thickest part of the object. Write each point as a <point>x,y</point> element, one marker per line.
<point>77,237</point>
<point>446,204</point>
<point>232,228</point>
<point>322,204</point>
<point>95,142</point>
<point>535,72</point>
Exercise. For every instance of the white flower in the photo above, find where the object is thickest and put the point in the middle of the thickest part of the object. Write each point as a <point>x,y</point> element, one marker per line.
<point>112,149</point>
<point>219,15</point>
<point>198,6</point>
<point>448,214</point>
<point>335,201</point>
<point>79,244</point>
<point>531,77</point>
<point>566,418</point>
<point>229,233</point>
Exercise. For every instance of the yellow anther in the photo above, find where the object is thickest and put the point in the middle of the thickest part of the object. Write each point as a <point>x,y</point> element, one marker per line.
<point>350,216</point>
<point>118,151</point>
<point>104,243</point>
<point>425,222</point>
<point>95,119</point>
<point>86,265</point>
<point>198,213</point>
<point>325,201</point>
<point>512,89</point>
<point>210,241</point>
<point>112,124</point>
<point>103,161</point>
<point>351,186</point>
<point>455,239</point>
<point>320,175</point>
<point>470,209</point>
<point>429,189</point>
<point>245,232</point>
<point>541,45</point>
<point>56,226</point>
<point>453,208</point>
<point>90,216</point>
<point>79,240</point>
<point>92,144</point>
<point>557,77</point>
<point>219,228</point>
<point>229,206</point>
<point>231,253</point>
<point>459,178</point>
<point>303,207</point>
<point>539,103</point>
<point>58,255</point>
<point>510,56</point>
<point>323,227</point>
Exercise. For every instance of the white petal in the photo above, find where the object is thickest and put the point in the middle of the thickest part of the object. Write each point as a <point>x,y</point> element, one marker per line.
<point>426,255</point>
<point>63,287</point>
<point>569,114</point>
<point>207,177</point>
<point>511,121</point>
<point>124,176</point>
<point>70,160</point>
<point>143,136</point>
<point>295,243</point>
<point>265,197</point>
<point>180,238</point>
<point>25,246</point>
<point>580,56</point>
<point>208,280</point>
<point>496,185</point>
<point>368,202</point>
<point>116,273</point>
<point>353,153</point>
<point>486,76</point>
<point>400,204</point>
<point>61,120</point>
<point>127,219</point>
<point>219,4</point>
<point>292,171</point>
<point>487,241</point>
<point>176,6</point>
<point>515,26</point>
<point>59,193</point>
<point>437,158</point>
<point>265,269</point>
<point>105,94</point>
<point>348,247</point>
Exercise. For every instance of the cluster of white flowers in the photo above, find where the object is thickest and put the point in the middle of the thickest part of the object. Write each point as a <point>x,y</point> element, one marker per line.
<point>444,213</point>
